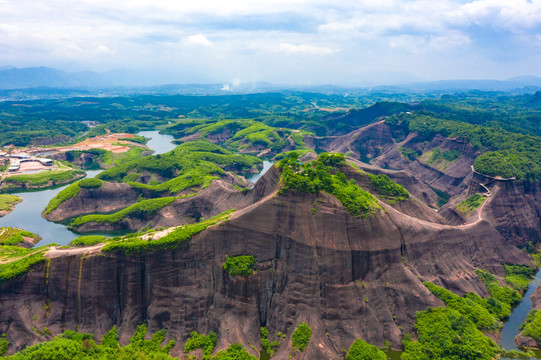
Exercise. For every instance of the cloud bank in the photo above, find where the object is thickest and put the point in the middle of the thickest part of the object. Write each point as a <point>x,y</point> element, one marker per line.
<point>293,41</point>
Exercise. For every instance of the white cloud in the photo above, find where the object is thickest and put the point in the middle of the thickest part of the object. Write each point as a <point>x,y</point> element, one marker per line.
<point>426,44</point>
<point>71,46</point>
<point>305,49</point>
<point>452,39</point>
<point>102,49</point>
<point>512,15</point>
<point>6,28</point>
<point>198,39</point>
<point>248,38</point>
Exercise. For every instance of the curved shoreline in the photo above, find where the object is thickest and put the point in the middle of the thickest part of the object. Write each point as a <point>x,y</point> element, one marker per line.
<point>11,205</point>
<point>51,184</point>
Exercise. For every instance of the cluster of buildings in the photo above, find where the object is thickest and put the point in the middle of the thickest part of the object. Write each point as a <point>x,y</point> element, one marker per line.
<point>15,160</point>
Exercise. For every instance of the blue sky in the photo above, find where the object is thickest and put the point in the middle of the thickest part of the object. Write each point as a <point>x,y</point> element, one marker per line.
<point>279,41</point>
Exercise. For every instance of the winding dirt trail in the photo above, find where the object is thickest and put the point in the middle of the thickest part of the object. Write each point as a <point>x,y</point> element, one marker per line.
<point>480,211</point>
<point>251,206</point>
<point>437,226</point>
<point>54,252</point>
<point>21,257</point>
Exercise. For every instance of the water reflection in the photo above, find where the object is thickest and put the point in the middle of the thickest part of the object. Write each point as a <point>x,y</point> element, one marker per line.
<point>160,143</point>
<point>266,166</point>
<point>518,315</point>
<point>27,214</point>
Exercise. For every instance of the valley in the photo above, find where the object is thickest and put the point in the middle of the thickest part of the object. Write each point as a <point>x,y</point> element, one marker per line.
<point>376,226</point>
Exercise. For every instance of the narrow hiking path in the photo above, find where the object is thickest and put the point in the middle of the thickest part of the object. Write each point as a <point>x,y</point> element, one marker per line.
<point>22,257</point>
<point>57,251</point>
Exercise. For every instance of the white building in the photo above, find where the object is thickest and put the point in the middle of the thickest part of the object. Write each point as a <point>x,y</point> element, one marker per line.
<point>14,165</point>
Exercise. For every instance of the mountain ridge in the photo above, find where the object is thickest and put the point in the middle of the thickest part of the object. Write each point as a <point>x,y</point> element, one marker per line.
<point>13,78</point>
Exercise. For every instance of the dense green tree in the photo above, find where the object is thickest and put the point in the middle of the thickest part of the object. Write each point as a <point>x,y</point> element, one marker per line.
<point>242,265</point>
<point>446,334</point>
<point>301,337</point>
<point>361,350</point>
<point>204,342</point>
<point>74,345</point>
<point>234,352</point>
<point>316,176</point>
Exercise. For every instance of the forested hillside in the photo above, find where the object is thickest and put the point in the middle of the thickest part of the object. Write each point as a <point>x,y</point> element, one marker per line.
<point>376,227</point>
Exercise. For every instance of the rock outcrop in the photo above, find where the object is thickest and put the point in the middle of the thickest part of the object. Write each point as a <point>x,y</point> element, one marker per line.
<point>367,142</point>
<point>114,196</point>
<point>105,199</point>
<point>419,190</point>
<point>346,277</point>
<point>525,342</point>
<point>379,145</point>
<point>218,197</point>
<point>515,208</point>
<point>452,178</point>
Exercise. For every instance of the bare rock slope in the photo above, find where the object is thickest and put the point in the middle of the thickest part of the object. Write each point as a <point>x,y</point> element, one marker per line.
<point>347,277</point>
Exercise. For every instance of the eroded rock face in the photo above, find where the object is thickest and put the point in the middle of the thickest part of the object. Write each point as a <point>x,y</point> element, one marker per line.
<point>113,196</point>
<point>109,197</point>
<point>515,208</point>
<point>416,188</point>
<point>347,277</point>
<point>367,142</point>
<point>452,178</point>
<point>525,342</point>
<point>378,145</point>
<point>218,197</point>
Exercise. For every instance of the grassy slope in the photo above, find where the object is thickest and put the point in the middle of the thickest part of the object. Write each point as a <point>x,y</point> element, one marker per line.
<point>323,175</point>
<point>142,209</point>
<point>8,201</point>
<point>191,166</point>
<point>242,134</point>
<point>471,203</point>
<point>43,178</point>
<point>14,236</point>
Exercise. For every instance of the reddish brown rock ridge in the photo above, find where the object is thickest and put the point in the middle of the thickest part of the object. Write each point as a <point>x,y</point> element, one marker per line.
<point>347,277</point>
<point>107,198</point>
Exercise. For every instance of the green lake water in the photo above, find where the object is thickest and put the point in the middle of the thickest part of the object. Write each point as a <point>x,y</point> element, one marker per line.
<point>27,214</point>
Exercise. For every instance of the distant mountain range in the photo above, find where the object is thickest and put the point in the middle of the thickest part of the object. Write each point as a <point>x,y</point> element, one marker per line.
<point>13,78</point>
<point>43,80</point>
<point>483,85</point>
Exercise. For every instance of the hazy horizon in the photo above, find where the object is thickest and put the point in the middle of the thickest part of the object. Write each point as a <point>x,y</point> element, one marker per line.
<point>280,42</point>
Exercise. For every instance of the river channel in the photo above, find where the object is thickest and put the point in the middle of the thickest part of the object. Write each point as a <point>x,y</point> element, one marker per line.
<point>518,315</point>
<point>266,166</point>
<point>511,327</point>
<point>27,215</point>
